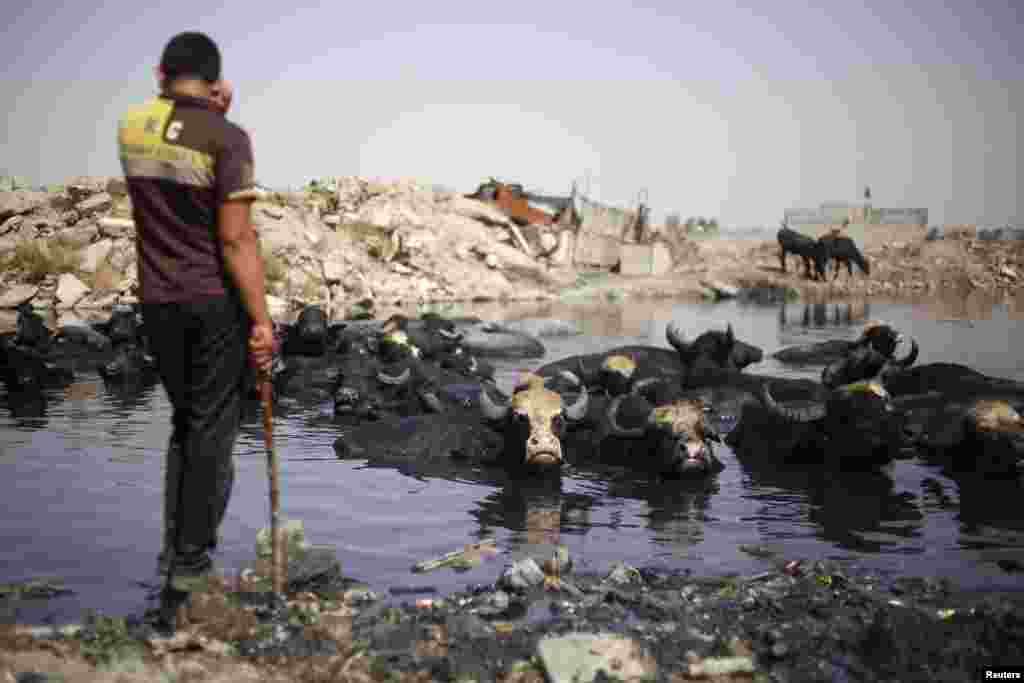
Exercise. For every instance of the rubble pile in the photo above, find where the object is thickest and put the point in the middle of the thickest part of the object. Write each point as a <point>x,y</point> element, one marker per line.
<point>338,243</point>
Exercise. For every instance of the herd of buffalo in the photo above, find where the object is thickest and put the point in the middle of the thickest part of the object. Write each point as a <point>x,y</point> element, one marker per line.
<point>420,389</point>
<point>829,248</point>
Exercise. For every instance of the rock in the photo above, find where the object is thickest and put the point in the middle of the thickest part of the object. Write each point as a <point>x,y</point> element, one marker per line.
<point>524,574</point>
<point>543,327</point>
<point>99,300</point>
<point>622,574</point>
<point>20,202</point>
<point>331,219</point>
<point>17,295</point>
<point>117,187</point>
<point>578,657</point>
<point>1009,272</point>
<point>273,212</point>
<point>27,232</point>
<point>10,224</point>
<point>81,235</point>
<point>334,270</point>
<point>548,242</point>
<point>115,227</point>
<point>492,261</point>
<point>94,204</point>
<point>69,218</point>
<point>122,256</point>
<point>276,306</point>
<point>478,211</point>
<point>95,254</point>
<point>721,290</point>
<point>936,232</point>
<point>70,290</point>
<point>8,243</point>
<point>401,268</point>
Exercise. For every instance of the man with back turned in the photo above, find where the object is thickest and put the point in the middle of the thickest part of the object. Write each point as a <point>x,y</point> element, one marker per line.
<point>201,287</point>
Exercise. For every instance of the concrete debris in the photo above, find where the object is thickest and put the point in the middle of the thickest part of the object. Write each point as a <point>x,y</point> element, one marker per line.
<point>15,296</point>
<point>70,290</point>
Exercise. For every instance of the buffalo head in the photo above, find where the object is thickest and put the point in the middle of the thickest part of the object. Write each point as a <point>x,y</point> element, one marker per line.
<point>534,420</point>
<point>857,423</point>
<point>713,349</point>
<point>396,345</point>
<point>881,337</point>
<point>123,327</point>
<point>31,331</point>
<point>616,374</point>
<point>865,363</point>
<point>681,438</point>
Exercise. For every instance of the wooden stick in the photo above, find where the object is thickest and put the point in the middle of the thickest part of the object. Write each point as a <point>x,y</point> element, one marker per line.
<point>276,568</point>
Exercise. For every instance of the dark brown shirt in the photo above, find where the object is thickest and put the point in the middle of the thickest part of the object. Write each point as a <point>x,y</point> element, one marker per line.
<point>181,159</point>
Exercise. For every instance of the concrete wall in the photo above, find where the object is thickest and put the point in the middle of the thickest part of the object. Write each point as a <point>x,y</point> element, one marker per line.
<point>867,236</point>
<point>836,212</point>
<point>645,259</point>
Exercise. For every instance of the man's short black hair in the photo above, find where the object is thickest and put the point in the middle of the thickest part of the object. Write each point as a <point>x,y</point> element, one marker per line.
<point>191,54</point>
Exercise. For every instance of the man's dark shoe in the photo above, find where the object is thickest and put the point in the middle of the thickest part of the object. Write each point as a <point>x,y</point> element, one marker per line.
<point>163,619</point>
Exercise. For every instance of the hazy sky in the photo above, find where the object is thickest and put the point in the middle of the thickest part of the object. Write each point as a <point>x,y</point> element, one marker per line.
<point>728,109</point>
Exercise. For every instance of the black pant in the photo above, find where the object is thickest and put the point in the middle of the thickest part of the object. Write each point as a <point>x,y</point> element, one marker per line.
<point>201,352</point>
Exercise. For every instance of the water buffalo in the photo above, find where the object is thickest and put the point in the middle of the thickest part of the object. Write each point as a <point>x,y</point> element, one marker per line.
<point>369,389</point>
<point>23,368</point>
<point>308,336</point>
<point>855,427</point>
<point>968,436</point>
<point>522,435</point>
<point>493,340</point>
<point>130,363</point>
<point>811,251</point>
<point>534,421</point>
<point>32,331</point>
<point>843,250</point>
<point>674,439</point>
<point>626,369</point>
<point>864,362</point>
<point>881,337</point>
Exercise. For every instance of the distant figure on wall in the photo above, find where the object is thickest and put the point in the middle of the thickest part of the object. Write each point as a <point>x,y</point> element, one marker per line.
<point>867,193</point>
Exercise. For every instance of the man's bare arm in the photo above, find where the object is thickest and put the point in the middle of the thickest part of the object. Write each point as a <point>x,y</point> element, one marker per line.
<point>242,257</point>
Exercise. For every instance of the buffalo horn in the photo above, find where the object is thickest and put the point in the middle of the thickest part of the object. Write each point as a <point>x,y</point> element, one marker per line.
<point>910,358</point>
<point>675,337</point>
<point>613,423</point>
<point>790,414</point>
<point>449,335</point>
<point>578,409</point>
<point>394,380</point>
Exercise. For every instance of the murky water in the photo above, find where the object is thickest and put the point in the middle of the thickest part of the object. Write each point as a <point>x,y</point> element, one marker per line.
<point>81,477</point>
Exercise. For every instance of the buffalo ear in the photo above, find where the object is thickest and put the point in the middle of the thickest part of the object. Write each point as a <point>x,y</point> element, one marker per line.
<point>729,336</point>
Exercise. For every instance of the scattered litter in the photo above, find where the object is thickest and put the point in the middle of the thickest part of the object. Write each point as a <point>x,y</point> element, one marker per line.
<point>33,589</point>
<point>470,556</point>
<point>721,666</point>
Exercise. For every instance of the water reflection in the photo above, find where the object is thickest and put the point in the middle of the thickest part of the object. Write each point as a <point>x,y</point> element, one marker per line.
<point>966,305</point>
<point>853,510</point>
<point>536,511</point>
<point>127,396</point>
<point>676,511</point>
<point>27,407</point>
<point>820,314</point>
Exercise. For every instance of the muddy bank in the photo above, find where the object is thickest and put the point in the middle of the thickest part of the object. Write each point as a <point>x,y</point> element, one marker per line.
<point>797,620</point>
<point>360,244</point>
